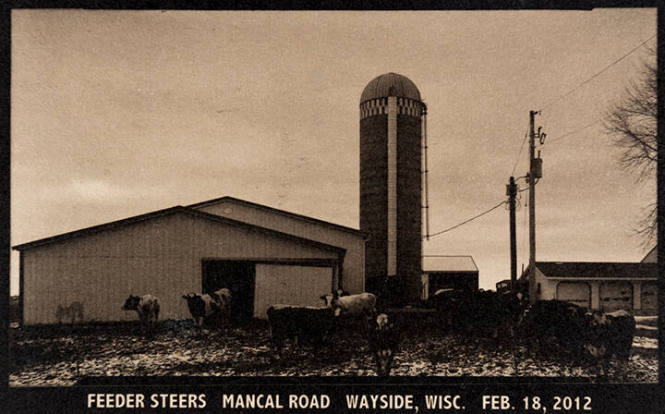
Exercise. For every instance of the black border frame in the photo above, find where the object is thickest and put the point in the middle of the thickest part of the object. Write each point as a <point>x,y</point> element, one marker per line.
<point>613,398</point>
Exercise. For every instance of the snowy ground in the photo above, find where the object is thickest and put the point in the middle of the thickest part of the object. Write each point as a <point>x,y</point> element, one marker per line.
<point>58,358</point>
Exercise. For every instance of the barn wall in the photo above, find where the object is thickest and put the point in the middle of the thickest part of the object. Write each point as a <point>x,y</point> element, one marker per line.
<point>601,288</point>
<point>353,276</point>
<point>161,256</point>
<point>547,286</point>
<point>290,285</point>
<point>649,298</point>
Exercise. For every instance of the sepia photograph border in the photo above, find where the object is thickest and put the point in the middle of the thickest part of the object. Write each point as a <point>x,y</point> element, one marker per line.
<point>606,397</point>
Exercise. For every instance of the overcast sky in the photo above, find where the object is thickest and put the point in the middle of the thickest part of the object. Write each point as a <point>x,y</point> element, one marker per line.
<point>119,113</point>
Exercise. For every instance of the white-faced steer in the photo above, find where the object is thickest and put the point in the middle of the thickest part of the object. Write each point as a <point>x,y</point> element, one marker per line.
<point>383,341</point>
<point>610,334</point>
<point>351,305</point>
<point>210,307</point>
<point>147,306</point>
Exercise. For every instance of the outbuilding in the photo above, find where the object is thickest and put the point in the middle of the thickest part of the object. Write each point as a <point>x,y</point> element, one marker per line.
<point>448,272</point>
<point>605,286</point>
<point>85,275</point>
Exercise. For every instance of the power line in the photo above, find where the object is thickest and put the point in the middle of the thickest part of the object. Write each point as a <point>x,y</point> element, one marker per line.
<point>468,220</point>
<point>526,133</point>
<point>596,74</point>
<point>575,131</point>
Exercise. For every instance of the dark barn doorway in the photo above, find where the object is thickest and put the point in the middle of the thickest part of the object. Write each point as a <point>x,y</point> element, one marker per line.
<point>238,276</point>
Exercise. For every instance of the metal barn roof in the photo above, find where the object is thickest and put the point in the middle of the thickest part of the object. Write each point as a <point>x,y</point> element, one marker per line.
<point>595,270</point>
<point>449,264</point>
<point>173,210</point>
<point>278,211</point>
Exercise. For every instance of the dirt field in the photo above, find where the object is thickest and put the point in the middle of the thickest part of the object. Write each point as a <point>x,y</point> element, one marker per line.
<point>61,356</point>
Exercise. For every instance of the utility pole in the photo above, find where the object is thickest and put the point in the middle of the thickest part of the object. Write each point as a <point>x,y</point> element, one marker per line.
<point>532,209</point>
<point>511,190</point>
<point>535,172</point>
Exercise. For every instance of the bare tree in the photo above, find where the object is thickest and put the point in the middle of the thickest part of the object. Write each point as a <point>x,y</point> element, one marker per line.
<point>632,122</point>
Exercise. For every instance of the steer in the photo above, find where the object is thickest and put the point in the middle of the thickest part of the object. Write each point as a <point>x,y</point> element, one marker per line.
<point>383,342</point>
<point>147,306</point>
<point>554,326</point>
<point>443,300</point>
<point>327,299</point>
<point>351,305</point>
<point>209,307</point>
<point>484,313</point>
<point>301,323</point>
<point>610,334</point>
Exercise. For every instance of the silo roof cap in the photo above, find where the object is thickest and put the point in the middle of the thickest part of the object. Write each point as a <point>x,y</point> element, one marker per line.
<point>390,84</point>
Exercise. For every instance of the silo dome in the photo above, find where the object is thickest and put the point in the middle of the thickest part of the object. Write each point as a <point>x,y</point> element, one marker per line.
<point>390,84</point>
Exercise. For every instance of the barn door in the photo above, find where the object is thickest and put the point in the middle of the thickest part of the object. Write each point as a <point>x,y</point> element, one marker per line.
<point>238,276</point>
<point>290,285</point>
<point>615,296</point>
<point>649,298</point>
<point>578,293</point>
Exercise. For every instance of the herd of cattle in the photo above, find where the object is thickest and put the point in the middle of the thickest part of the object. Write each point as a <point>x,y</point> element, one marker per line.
<point>548,327</point>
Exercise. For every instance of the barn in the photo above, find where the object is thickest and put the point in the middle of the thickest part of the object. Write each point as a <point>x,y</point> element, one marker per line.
<point>264,255</point>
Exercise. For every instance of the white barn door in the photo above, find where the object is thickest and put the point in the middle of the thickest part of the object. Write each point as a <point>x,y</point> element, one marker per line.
<point>616,295</point>
<point>290,285</point>
<point>650,298</point>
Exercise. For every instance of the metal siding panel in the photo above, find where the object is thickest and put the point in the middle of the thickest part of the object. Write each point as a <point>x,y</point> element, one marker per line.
<point>354,269</point>
<point>101,270</point>
<point>290,285</point>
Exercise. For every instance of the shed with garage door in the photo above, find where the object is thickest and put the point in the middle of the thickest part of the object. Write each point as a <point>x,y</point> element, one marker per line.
<point>605,286</point>
<point>85,275</point>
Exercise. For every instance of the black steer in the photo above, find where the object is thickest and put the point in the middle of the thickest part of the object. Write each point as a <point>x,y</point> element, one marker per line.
<point>480,313</point>
<point>554,327</point>
<point>383,341</point>
<point>445,303</point>
<point>301,323</point>
<point>147,307</point>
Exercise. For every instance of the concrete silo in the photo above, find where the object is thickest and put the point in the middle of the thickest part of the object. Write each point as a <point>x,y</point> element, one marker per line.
<point>391,118</point>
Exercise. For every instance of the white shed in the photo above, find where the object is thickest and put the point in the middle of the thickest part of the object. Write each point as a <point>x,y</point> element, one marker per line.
<point>605,286</point>
<point>448,272</point>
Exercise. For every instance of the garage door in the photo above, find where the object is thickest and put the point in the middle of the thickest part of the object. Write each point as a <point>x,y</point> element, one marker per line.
<point>290,285</point>
<point>578,293</point>
<point>649,298</point>
<point>616,295</point>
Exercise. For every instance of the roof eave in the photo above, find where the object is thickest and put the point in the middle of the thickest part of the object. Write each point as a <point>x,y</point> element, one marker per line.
<point>177,209</point>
